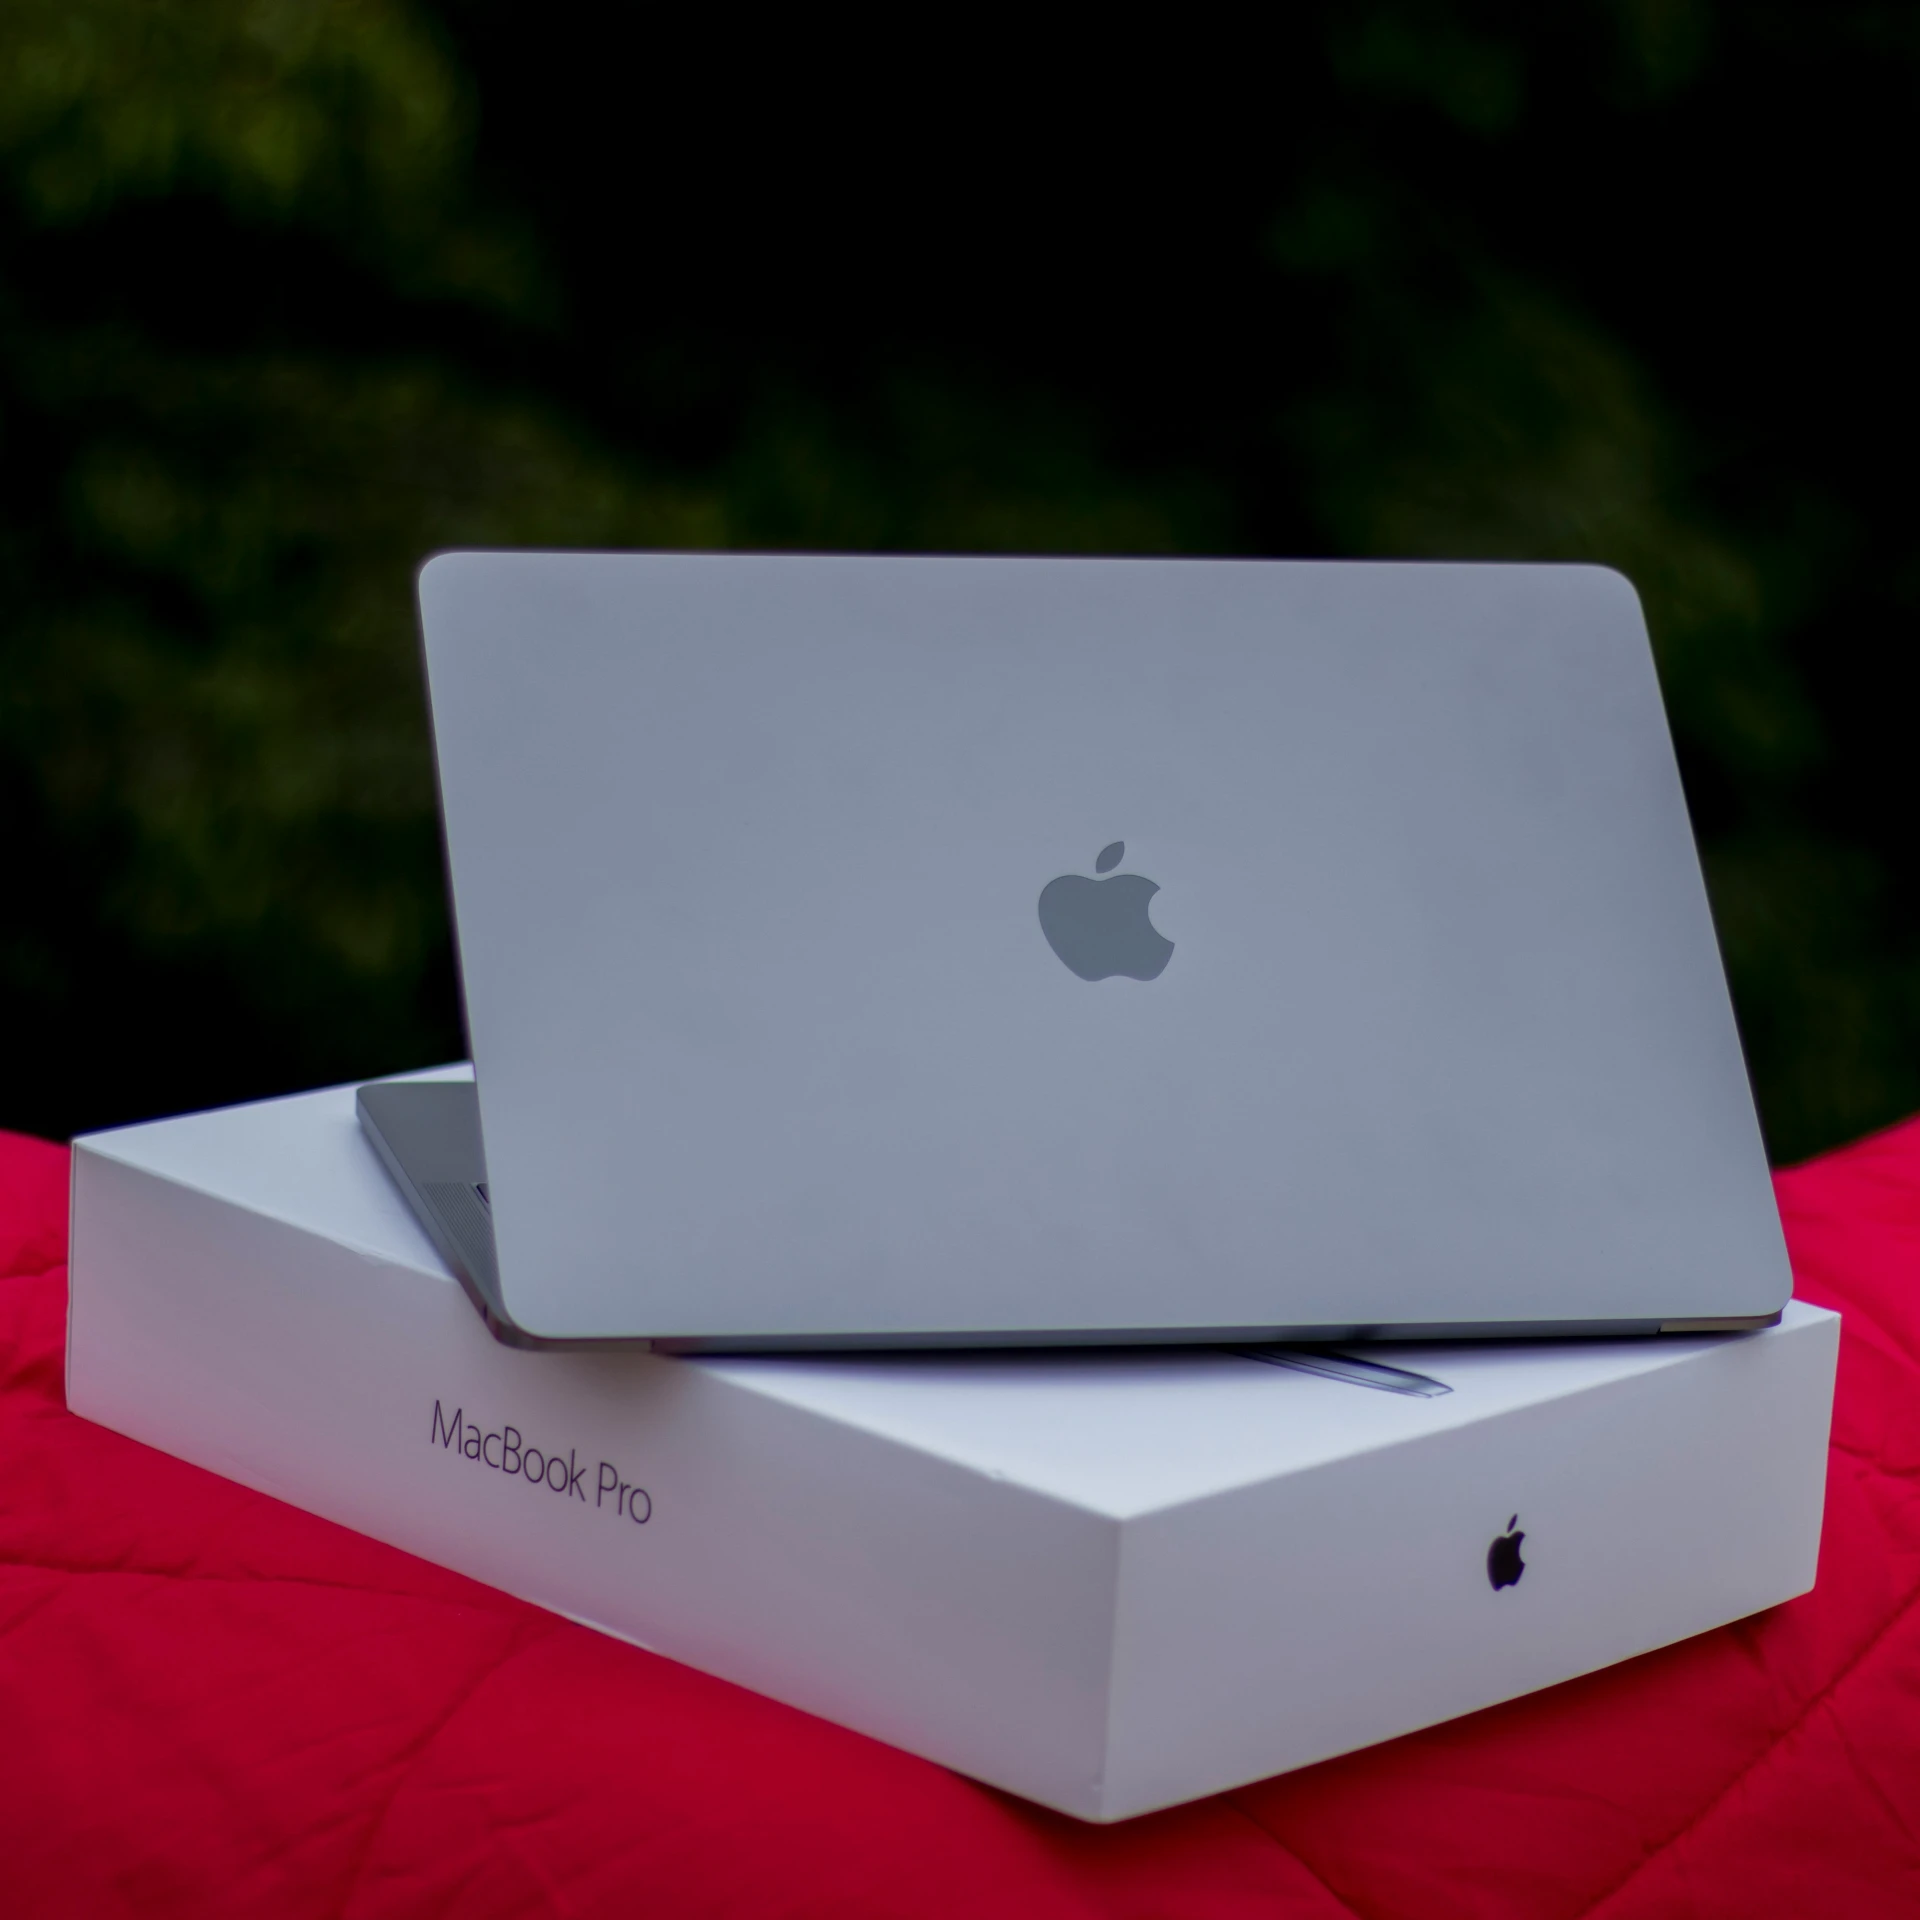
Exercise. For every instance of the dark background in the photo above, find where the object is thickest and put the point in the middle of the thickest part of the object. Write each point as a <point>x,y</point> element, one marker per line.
<point>292,294</point>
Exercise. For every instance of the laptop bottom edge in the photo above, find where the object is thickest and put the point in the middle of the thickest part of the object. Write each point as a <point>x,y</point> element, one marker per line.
<point>427,1136</point>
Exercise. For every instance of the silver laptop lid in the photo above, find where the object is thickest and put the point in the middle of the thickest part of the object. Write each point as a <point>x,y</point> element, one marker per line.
<point>902,949</point>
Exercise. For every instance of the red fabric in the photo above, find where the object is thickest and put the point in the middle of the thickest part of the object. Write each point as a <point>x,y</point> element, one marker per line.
<point>212,1704</point>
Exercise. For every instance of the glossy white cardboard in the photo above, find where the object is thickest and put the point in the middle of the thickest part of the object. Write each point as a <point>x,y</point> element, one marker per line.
<point>1107,1580</point>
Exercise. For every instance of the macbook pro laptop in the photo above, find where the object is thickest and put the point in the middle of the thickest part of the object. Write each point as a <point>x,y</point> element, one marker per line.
<point>891,952</point>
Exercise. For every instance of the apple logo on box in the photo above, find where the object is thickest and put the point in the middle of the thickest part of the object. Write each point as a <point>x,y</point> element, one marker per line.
<point>1504,1565</point>
<point>1100,928</point>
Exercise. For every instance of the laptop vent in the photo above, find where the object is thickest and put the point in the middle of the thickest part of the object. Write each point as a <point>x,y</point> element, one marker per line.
<point>464,1215</point>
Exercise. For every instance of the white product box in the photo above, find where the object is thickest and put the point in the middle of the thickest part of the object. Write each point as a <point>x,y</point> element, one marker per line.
<point>1109,1581</point>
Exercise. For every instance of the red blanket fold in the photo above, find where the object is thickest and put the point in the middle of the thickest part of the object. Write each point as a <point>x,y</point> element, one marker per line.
<point>211,1703</point>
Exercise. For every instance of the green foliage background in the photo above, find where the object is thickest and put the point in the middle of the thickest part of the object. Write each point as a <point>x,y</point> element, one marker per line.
<point>293,292</point>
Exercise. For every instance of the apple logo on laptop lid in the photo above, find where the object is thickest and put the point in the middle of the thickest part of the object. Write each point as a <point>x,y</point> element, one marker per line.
<point>1100,928</point>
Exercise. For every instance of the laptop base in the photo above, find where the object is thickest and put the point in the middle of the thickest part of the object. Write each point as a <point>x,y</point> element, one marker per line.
<point>427,1134</point>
